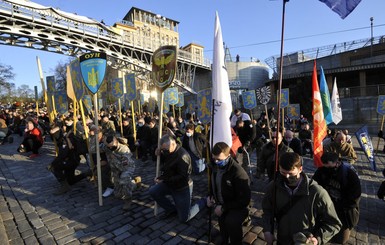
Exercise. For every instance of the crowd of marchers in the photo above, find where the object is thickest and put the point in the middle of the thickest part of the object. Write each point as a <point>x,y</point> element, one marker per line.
<point>297,208</point>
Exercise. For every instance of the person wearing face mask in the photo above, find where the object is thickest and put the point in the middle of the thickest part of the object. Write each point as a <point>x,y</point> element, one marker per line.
<point>122,165</point>
<point>175,181</point>
<point>195,144</point>
<point>301,208</point>
<point>231,194</point>
<point>344,187</point>
<point>266,158</point>
<point>293,142</point>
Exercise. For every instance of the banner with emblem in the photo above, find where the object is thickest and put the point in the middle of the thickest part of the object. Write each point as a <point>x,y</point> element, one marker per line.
<point>77,80</point>
<point>366,145</point>
<point>191,107</point>
<point>380,104</point>
<point>61,102</point>
<point>249,99</point>
<point>50,85</point>
<point>117,87</point>
<point>293,111</point>
<point>164,66</point>
<point>204,105</point>
<point>127,105</point>
<point>87,102</point>
<point>130,86</point>
<point>284,98</point>
<point>171,96</point>
<point>93,68</point>
<point>180,99</point>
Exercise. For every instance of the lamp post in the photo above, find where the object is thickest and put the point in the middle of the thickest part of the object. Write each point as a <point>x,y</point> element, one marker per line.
<point>371,36</point>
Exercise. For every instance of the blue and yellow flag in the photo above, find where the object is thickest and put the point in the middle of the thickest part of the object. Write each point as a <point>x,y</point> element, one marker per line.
<point>381,105</point>
<point>93,68</point>
<point>191,107</point>
<point>77,80</point>
<point>325,97</point>
<point>61,102</point>
<point>249,99</point>
<point>171,96</point>
<point>204,106</point>
<point>284,97</point>
<point>87,102</point>
<point>180,99</point>
<point>342,7</point>
<point>293,111</point>
<point>117,87</point>
<point>50,85</point>
<point>366,145</point>
<point>127,105</point>
<point>130,86</point>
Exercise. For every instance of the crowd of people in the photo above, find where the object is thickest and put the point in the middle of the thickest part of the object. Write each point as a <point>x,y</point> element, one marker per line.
<point>295,206</point>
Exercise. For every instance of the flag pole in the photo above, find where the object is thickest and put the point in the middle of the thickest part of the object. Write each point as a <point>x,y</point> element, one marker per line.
<point>208,169</point>
<point>98,166</point>
<point>279,105</point>
<point>159,136</point>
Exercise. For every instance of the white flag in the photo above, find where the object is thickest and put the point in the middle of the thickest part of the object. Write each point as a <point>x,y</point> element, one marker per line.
<point>336,107</point>
<point>221,129</point>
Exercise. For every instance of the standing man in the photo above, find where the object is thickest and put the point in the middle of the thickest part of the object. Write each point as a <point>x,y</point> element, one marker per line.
<point>302,209</point>
<point>344,188</point>
<point>175,181</point>
<point>230,188</point>
<point>195,144</point>
<point>342,148</point>
<point>238,115</point>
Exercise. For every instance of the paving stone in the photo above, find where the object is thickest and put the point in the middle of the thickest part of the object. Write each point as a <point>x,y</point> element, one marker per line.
<point>46,240</point>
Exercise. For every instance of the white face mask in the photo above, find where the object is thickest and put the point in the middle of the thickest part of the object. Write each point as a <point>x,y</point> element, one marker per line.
<point>188,134</point>
<point>140,124</point>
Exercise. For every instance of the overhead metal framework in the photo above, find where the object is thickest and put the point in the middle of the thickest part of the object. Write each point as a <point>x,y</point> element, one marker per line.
<point>30,25</point>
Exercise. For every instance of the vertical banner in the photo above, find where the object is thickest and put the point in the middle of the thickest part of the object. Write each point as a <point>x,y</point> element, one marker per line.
<point>117,87</point>
<point>77,80</point>
<point>36,95</point>
<point>381,105</point>
<point>249,99</point>
<point>293,111</point>
<point>284,97</point>
<point>61,102</point>
<point>171,96</point>
<point>180,99</point>
<point>366,145</point>
<point>336,105</point>
<point>130,86</point>
<point>50,85</point>
<point>204,106</point>
<point>191,107</point>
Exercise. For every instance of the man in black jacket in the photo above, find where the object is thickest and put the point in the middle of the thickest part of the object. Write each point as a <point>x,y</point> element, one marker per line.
<point>344,187</point>
<point>175,181</point>
<point>195,144</point>
<point>231,194</point>
<point>293,142</point>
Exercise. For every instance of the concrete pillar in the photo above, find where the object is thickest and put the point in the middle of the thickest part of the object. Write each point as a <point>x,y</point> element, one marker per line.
<point>362,83</point>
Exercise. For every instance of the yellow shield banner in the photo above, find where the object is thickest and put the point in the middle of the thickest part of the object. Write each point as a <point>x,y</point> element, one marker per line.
<point>164,66</point>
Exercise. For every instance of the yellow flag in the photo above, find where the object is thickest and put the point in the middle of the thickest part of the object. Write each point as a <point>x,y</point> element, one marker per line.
<point>70,89</point>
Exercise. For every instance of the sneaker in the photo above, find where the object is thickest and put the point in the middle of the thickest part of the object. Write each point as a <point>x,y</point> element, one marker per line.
<point>108,192</point>
<point>33,156</point>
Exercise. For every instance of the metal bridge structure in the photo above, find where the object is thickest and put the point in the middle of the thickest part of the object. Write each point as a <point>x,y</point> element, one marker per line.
<point>30,25</point>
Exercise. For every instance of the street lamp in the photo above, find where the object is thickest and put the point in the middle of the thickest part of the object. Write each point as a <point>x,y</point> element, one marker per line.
<point>371,36</point>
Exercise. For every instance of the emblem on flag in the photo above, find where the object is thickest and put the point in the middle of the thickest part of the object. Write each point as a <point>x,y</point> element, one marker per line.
<point>93,68</point>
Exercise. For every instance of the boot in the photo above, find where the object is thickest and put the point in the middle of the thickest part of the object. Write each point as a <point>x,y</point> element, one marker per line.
<point>64,188</point>
<point>127,204</point>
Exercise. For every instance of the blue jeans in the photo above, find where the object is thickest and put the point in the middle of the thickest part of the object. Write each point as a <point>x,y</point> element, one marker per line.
<point>182,200</point>
<point>198,164</point>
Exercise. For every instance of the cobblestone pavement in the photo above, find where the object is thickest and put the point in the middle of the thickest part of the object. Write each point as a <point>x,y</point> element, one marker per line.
<point>31,214</point>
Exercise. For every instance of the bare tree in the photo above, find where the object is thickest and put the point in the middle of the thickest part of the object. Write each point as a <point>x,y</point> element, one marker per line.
<point>60,73</point>
<point>6,74</point>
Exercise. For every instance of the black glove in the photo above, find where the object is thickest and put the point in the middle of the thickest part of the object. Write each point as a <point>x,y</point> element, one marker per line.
<point>380,134</point>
